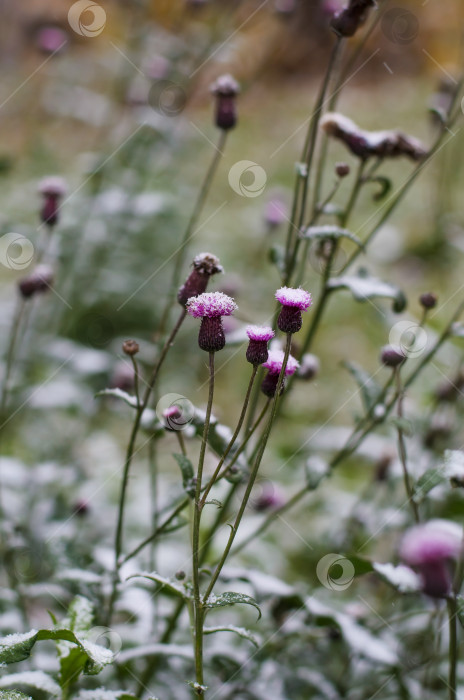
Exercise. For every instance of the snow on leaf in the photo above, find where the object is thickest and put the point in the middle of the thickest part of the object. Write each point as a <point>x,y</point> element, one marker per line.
<point>119,394</point>
<point>240,631</point>
<point>33,679</point>
<point>454,467</point>
<point>330,232</point>
<point>231,598</point>
<point>402,578</point>
<point>17,647</point>
<point>364,287</point>
<point>80,575</point>
<point>13,695</point>
<point>185,651</point>
<point>167,585</point>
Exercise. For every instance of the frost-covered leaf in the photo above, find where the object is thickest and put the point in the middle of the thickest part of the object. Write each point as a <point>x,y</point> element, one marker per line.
<point>79,575</point>
<point>231,598</point>
<point>264,584</point>
<point>119,394</point>
<point>364,287</point>
<point>369,388</point>
<point>240,631</point>
<point>168,585</point>
<point>187,471</point>
<point>80,615</point>
<point>13,695</point>
<point>401,578</point>
<point>454,467</point>
<point>316,469</point>
<point>185,651</point>
<point>214,502</point>
<point>32,679</point>
<point>330,232</point>
<point>103,694</point>
<point>16,647</point>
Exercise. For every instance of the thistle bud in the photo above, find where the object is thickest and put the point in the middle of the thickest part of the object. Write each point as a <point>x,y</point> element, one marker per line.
<point>211,308</point>
<point>428,300</point>
<point>52,189</point>
<point>257,350</point>
<point>226,90</point>
<point>342,169</point>
<point>347,22</point>
<point>205,265</point>
<point>37,282</point>
<point>392,355</point>
<point>130,347</point>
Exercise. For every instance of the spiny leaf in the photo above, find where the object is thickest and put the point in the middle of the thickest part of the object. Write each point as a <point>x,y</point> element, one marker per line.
<point>231,598</point>
<point>240,631</point>
<point>330,232</point>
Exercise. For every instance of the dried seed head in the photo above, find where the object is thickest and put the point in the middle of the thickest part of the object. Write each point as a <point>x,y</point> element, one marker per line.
<point>205,265</point>
<point>367,144</point>
<point>428,300</point>
<point>226,89</point>
<point>130,347</point>
<point>392,355</point>
<point>39,281</point>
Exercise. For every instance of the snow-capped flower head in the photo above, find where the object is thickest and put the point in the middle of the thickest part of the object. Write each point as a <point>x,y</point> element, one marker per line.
<point>309,367</point>
<point>274,366</point>
<point>52,189</point>
<point>257,350</point>
<point>38,282</point>
<point>293,301</point>
<point>205,265</point>
<point>275,213</point>
<point>226,89</point>
<point>432,549</point>
<point>368,144</point>
<point>211,307</point>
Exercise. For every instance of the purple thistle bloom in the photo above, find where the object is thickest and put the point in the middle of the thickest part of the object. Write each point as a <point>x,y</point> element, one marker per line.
<point>210,307</point>
<point>274,365</point>
<point>293,301</point>
<point>275,213</point>
<point>257,351</point>
<point>431,549</point>
<point>52,189</point>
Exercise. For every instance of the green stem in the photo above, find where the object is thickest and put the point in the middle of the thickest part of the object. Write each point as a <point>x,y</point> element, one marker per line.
<point>402,448</point>
<point>453,645</point>
<point>253,474</point>
<point>199,613</point>
<point>10,354</point>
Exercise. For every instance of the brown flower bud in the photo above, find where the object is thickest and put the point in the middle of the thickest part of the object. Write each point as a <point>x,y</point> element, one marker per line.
<point>342,169</point>
<point>205,265</point>
<point>37,282</point>
<point>347,22</point>
<point>428,300</point>
<point>226,90</point>
<point>130,347</point>
<point>392,355</point>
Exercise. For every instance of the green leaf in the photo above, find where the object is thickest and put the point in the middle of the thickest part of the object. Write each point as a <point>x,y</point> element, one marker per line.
<point>277,257</point>
<point>17,647</point>
<point>364,287</point>
<point>188,473</point>
<point>429,480</point>
<point>385,186</point>
<point>214,502</point>
<point>370,389</point>
<point>13,695</point>
<point>240,631</point>
<point>330,232</point>
<point>119,394</point>
<point>402,424</point>
<point>460,609</point>
<point>231,598</point>
<point>316,470</point>
<point>167,585</point>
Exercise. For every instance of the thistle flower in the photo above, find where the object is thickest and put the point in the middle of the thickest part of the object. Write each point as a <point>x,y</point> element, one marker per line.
<point>205,265</point>
<point>270,498</point>
<point>392,355</point>
<point>37,282</point>
<point>431,549</point>
<point>366,144</point>
<point>293,301</point>
<point>275,213</point>
<point>226,89</point>
<point>52,189</point>
<point>211,307</point>
<point>274,366</point>
<point>347,21</point>
<point>257,350</point>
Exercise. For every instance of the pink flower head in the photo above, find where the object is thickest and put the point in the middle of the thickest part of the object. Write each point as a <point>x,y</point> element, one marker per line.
<point>275,361</point>
<point>52,186</point>
<point>294,297</point>
<point>260,333</point>
<point>430,549</point>
<point>211,305</point>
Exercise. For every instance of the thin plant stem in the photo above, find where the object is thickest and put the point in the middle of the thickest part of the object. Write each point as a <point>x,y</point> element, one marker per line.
<point>253,474</point>
<point>199,613</point>
<point>212,481</point>
<point>189,231</point>
<point>10,354</point>
<point>453,645</point>
<point>402,447</point>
